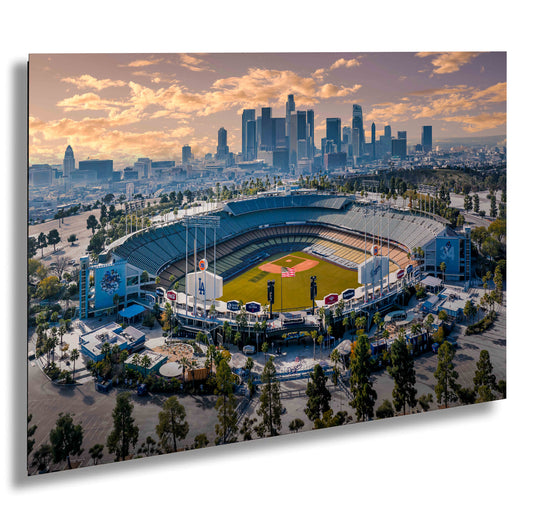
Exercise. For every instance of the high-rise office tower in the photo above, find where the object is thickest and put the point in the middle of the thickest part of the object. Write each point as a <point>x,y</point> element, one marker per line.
<point>267,131</point>
<point>356,149</point>
<point>222,147</point>
<point>186,154</point>
<point>144,167</point>
<point>250,152</point>
<point>333,132</point>
<point>387,138</point>
<point>402,135</point>
<point>279,138</point>
<point>301,133</point>
<point>102,167</point>
<point>310,133</point>
<point>291,145</point>
<point>247,116</point>
<point>69,163</point>
<point>427,138</point>
<point>357,123</point>
<point>373,140</point>
<point>293,138</point>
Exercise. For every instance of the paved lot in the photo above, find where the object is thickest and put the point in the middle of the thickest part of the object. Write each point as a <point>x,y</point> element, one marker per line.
<point>93,410</point>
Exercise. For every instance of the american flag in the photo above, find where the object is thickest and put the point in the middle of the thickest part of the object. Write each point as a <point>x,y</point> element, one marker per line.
<point>287,272</point>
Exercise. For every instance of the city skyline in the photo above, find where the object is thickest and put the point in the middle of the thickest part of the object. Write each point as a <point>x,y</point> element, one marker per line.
<point>126,106</point>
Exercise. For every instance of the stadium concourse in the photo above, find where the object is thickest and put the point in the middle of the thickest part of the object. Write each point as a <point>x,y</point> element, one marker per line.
<point>341,230</point>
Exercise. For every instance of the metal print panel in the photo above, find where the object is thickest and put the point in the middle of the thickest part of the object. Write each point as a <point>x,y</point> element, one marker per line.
<point>276,182</point>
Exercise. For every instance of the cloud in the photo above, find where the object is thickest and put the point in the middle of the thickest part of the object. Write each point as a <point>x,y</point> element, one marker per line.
<point>482,122</point>
<point>194,63</point>
<point>99,138</point>
<point>89,101</point>
<point>90,82</point>
<point>142,62</point>
<point>343,63</point>
<point>448,62</point>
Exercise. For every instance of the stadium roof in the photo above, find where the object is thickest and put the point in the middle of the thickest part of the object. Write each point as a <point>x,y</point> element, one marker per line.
<point>287,201</point>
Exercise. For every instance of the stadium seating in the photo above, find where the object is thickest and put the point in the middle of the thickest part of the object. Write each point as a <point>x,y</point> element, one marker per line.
<point>250,228</point>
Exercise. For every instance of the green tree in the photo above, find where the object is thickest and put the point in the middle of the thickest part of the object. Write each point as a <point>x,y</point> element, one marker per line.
<point>48,287</point>
<point>446,375</point>
<point>425,400</point>
<point>92,223</point>
<point>125,432</point>
<point>42,242</point>
<point>361,384</point>
<point>42,457</point>
<point>53,238</point>
<point>172,425</point>
<point>484,379</point>
<point>226,405</point>
<point>296,425</point>
<point>200,440</point>
<point>385,410</point>
<point>74,355</point>
<point>402,371</point>
<point>32,247</point>
<point>270,406</point>
<point>96,452</point>
<point>318,395</point>
<point>65,439</point>
<point>335,358</point>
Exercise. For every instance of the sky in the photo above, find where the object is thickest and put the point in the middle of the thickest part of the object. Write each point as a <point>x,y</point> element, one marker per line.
<point>127,106</point>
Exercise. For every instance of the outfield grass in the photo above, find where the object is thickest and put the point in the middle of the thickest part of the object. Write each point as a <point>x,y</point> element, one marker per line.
<point>252,284</point>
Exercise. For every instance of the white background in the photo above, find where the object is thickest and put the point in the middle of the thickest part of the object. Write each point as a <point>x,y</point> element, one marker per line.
<point>469,460</point>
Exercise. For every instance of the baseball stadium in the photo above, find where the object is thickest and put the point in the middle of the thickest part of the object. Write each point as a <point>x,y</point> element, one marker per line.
<point>358,251</point>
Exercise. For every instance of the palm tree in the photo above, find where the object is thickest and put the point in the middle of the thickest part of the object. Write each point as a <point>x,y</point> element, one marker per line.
<point>335,358</point>
<point>443,270</point>
<point>74,355</point>
<point>314,335</point>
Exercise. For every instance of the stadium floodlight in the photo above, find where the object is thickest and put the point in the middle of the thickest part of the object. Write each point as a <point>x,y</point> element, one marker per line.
<point>270,294</point>
<point>313,291</point>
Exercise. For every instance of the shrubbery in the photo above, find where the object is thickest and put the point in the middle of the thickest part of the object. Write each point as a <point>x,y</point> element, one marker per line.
<point>482,325</point>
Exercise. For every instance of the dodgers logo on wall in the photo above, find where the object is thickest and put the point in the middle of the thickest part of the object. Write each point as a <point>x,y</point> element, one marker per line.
<point>201,287</point>
<point>110,282</point>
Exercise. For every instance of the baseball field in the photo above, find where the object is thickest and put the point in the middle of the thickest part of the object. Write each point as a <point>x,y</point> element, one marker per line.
<point>252,284</point>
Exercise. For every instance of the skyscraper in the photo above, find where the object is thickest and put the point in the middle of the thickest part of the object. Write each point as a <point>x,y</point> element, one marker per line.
<point>357,123</point>
<point>427,138</point>
<point>301,133</point>
<point>310,133</point>
<point>247,116</point>
<point>222,147</point>
<point>69,163</point>
<point>102,167</point>
<point>373,140</point>
<point>292,145</point>
<point>333,132</point>
<point>266,133</point>
<point>251,141</point>
<point>186,154</point>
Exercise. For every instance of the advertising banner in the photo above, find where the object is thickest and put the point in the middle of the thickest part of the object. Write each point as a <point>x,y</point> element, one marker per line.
<point>331,299</point>
<point>109,280</point>
<point>232,306</point>
<point>448,252</point>
<point>348,294</point>
<point>253,307</point>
